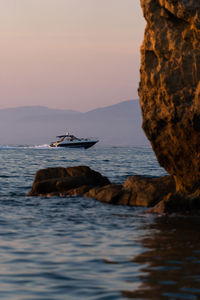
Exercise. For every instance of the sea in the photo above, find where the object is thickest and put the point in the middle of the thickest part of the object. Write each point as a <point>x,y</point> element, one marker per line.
<point>75,248</point>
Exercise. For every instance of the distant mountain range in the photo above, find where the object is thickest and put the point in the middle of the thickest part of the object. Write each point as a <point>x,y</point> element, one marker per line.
<point>116,125</point>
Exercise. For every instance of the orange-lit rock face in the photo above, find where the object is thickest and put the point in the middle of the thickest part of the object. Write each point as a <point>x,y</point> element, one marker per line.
<point>170,87</point>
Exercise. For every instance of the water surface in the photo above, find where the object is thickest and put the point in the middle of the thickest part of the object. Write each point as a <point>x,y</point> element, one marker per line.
<point>77,248</point>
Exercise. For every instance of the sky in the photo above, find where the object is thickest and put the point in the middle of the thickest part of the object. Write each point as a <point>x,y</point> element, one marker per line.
<point>69,54</point>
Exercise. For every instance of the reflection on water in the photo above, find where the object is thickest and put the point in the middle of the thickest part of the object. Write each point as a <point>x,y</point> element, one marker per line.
<point>76,248</point>
<point>171,263</point>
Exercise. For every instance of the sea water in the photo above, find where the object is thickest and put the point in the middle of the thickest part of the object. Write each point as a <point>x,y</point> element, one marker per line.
<point>78,248</point>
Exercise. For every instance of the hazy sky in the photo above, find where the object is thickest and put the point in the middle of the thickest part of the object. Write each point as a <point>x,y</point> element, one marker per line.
<point>72,54</point>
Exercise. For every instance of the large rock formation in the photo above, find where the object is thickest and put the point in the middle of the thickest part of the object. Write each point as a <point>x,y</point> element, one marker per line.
<point>170,88</point>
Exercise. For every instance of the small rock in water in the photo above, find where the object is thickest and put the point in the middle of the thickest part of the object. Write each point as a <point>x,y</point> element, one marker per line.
<point>148,191</point>
<point>83,181</point>
<point>66,181</point>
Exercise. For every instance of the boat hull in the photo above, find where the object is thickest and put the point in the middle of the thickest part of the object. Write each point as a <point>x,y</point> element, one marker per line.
<point>85,145</point>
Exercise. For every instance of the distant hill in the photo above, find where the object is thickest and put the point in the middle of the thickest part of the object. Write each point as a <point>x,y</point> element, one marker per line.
<point>118,124</point>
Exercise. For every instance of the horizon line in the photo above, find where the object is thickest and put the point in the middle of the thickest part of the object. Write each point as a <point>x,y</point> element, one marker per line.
<point>64,109</point>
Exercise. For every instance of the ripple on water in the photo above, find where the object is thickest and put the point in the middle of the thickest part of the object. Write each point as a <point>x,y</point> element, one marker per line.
<point>77,248</point>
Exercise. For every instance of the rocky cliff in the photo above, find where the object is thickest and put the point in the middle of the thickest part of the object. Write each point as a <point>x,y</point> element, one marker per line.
<point>170,88</point>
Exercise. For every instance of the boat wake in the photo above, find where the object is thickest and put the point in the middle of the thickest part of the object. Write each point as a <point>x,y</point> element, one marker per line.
<point>45,146</point>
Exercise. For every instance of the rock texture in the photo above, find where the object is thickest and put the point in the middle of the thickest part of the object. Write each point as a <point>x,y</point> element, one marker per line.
<point>66,181</point>
<point>170,89</point>
<point>148,191</point>
<point>112,194</point>
<point>83,181</point>
<point>177,203</point>
<point>136,191</point>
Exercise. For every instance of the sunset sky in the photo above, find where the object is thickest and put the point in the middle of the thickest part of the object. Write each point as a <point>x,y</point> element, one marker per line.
<point>69,54</point>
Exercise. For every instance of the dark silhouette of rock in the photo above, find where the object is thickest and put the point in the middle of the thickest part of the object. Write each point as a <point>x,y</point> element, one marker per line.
<point>64,181</point>
<point>170,89</point>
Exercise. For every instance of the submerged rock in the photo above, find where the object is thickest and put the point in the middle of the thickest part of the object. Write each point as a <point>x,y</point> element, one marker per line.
<point>170,89</point>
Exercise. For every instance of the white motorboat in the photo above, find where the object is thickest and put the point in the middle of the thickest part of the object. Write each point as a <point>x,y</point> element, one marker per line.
<point>70,141</point>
